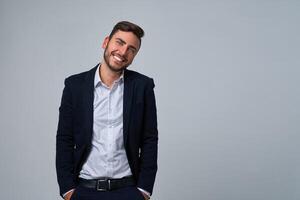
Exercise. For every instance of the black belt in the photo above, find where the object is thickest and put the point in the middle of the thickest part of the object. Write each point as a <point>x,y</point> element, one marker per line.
<point>107,184</point>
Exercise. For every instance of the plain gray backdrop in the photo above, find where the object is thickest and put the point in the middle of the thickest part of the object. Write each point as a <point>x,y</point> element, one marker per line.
<point>227,88</point>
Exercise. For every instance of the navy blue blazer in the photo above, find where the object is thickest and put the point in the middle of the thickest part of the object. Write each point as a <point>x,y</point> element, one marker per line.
<point>75,128</point>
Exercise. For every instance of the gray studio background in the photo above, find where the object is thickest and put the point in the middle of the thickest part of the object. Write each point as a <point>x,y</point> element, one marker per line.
<point>227,88</point>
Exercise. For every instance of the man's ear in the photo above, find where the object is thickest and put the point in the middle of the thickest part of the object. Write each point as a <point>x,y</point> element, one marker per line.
<point>105,42</point>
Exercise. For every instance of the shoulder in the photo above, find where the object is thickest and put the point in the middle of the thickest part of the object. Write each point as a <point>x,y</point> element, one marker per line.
<point>81,77</point>
<point>138,77</point>
<point>77,77</point>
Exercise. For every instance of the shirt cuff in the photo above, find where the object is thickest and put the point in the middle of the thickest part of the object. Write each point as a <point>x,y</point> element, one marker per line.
<point>68,192</point>
<point>145,192</point>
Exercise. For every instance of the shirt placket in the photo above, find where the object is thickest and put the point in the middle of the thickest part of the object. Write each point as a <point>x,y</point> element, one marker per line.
<point>110,127</point>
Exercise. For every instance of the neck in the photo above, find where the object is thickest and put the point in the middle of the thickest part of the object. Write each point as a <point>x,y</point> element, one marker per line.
<point>108,76</point>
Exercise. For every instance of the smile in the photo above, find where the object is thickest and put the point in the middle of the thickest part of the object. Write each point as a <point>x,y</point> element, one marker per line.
<point>118,58</point>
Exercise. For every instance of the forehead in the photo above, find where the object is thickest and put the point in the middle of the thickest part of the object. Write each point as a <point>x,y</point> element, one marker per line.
<point>127,37</point>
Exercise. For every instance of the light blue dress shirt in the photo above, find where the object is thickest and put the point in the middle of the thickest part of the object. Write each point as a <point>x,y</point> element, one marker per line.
<point>107,157</point>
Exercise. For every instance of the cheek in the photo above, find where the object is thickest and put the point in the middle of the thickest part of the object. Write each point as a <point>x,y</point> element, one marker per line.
<point>131,56</point>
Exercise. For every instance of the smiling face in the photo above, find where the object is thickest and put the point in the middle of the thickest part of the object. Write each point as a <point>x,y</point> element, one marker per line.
<point>120,50</point>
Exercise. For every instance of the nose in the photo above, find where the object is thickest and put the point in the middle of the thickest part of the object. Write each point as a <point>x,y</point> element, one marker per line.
<point>123,50</point>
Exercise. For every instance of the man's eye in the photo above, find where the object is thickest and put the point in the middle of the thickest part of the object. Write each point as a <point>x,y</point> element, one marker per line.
<point>119,42</point>
<point>132,50</point>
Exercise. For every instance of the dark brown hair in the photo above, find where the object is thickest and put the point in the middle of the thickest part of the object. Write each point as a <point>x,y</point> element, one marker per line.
<point>128,27</point>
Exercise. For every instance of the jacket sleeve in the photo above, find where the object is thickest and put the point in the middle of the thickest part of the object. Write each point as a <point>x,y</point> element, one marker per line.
<point>65,143</point>
<point>148,155</point>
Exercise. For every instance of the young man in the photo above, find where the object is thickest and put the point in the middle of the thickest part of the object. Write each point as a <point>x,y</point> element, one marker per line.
<point>106,143</point>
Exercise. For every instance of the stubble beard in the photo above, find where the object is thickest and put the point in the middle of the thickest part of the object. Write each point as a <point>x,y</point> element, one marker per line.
<point>112,68</point>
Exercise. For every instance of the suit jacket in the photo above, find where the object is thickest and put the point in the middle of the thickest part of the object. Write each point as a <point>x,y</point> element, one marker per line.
<point>75,128</point>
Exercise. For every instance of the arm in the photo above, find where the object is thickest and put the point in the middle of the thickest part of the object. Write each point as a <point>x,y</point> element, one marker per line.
<point>65,143</point>
<point>148,154</point>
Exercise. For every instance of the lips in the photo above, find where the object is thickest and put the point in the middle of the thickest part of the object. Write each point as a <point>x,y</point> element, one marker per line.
<point>119,58</point>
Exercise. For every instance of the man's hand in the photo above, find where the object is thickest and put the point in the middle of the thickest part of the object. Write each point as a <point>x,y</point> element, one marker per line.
<point>69,195</point>
<point>146,197</point>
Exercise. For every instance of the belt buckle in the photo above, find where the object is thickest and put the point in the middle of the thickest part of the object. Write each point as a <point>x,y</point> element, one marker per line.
<point>103,180</point>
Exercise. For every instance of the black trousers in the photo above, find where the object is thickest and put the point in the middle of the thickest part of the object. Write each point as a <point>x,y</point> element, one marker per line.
<point>126,193</point>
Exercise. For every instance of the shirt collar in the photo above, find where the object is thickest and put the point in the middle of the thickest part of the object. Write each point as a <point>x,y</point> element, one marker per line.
<point>97,79</point>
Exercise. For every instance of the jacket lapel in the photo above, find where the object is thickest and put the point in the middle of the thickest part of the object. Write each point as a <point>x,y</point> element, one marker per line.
<point>88,94</point>
<point>127,102</point>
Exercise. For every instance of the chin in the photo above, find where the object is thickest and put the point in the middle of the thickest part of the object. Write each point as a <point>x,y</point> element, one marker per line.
<point>117,68</point>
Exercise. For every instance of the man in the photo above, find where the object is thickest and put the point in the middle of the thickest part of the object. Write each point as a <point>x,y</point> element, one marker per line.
<point>106,143</point>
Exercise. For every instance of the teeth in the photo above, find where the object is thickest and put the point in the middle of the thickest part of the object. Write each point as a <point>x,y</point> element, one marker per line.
<point>118,58</point>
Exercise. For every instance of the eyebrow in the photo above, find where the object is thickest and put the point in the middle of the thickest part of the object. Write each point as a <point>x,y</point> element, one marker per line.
<point>123,42</point>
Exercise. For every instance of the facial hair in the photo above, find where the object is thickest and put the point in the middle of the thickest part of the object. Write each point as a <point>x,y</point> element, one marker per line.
<point>106,59</point>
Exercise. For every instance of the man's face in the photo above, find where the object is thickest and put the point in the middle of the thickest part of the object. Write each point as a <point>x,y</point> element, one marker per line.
<point>120,50</point>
